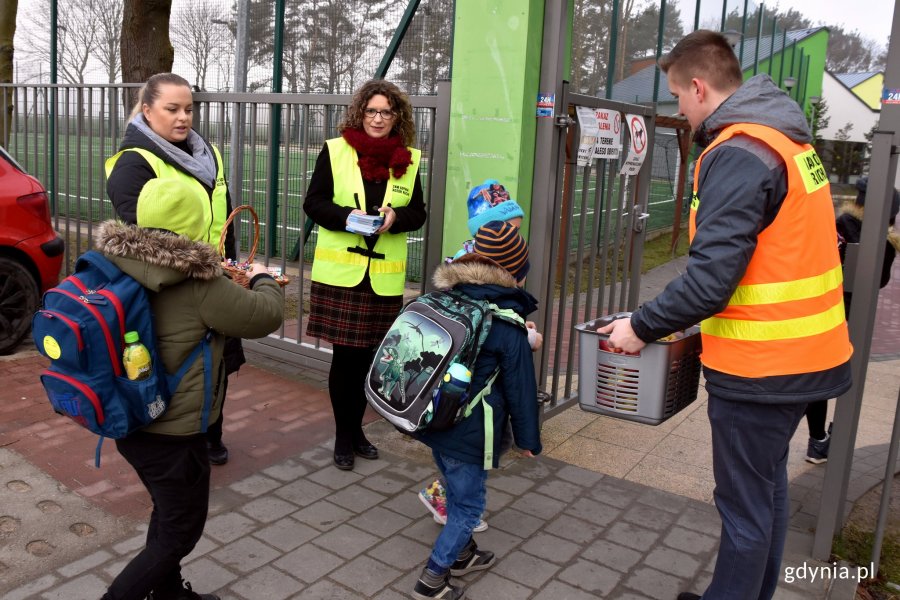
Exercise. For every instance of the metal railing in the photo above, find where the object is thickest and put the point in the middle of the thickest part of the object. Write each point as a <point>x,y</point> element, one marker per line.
<point>63,134</point>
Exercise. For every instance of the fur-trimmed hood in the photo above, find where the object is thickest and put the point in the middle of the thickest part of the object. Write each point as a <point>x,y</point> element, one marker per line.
<point>856,211</point>
<point>173,258</point>
<point>474,272</point>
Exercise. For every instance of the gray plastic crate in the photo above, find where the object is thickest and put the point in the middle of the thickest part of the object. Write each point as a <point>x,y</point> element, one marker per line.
<point>648,387</point>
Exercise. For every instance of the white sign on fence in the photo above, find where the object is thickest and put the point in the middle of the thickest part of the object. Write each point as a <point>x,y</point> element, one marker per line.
<point>637,148</point>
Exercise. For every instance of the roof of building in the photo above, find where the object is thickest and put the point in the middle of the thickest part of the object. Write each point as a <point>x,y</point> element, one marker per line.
<point>639,87</point>
<point>852,80</point>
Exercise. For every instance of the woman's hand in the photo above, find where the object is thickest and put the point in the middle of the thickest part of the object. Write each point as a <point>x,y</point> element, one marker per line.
<point>355,211</point>
<point>389,217</point>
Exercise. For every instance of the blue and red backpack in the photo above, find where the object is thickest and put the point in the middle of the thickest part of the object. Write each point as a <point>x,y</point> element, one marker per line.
<point>81,329</point>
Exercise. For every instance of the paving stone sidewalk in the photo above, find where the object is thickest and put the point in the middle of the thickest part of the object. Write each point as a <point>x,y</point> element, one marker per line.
<point>302,529</point>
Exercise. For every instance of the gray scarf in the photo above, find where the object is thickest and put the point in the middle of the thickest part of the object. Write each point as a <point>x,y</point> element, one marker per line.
<point>201,163</point>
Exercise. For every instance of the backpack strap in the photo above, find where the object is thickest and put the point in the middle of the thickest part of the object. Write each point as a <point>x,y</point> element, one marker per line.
<point>97,260</point>
<point>507,314</point>
<point>173,381</point>
<point>488,419</point>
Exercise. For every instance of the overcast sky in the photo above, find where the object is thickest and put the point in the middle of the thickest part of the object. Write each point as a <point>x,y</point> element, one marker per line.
<point>872,18</point>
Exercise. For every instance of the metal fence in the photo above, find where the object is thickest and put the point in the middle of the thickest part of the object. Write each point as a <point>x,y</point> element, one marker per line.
<point>63,134</point>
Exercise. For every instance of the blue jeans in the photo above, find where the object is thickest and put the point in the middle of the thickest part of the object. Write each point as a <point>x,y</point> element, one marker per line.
<point>750,448</point>
<point>466,490</point>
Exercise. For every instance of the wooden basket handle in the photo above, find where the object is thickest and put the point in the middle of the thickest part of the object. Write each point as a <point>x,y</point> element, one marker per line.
<point>230,219</point>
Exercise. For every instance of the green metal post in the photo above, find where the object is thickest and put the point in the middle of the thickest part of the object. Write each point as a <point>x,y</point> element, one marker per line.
<point>659,45</point>
<point>275,135</point>
<point>772,43</point>
<point>613,41</point>
<point>696,15</point>
<point>53,151</point>
<point>804,75</point>
<point>399,33</point>
<point>759,20</point>
<point>743,34</point>
<point>791,70</point>
<point>783,52</point>
<point>724,14</point>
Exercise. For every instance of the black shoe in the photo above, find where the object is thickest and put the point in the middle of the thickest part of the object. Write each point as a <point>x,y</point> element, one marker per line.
<point>472,559</point>
<point>366,450</point>
<point>344,462</point>
<point>688,596</point>
<point>432,585</point>
<point>218,453</point>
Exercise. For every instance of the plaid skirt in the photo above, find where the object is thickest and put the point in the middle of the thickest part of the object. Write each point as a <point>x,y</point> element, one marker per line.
<point>354,316</point>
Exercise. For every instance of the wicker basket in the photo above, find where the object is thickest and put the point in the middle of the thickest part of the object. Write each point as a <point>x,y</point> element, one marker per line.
<point>238,272</point>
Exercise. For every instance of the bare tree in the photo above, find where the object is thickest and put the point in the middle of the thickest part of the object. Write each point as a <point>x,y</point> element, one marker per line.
<point>109,29</point>
<point>76,32</point>
<point>8,9</point>
<point>195,32</point>
<point>146,49</point>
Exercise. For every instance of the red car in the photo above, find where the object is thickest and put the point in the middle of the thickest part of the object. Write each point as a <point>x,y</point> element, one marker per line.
<point>31,252</point>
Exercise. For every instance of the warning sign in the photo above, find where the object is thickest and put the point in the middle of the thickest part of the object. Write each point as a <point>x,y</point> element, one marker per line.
<point>637,147</point>
<point>609,138</point>
<point>587,122</point>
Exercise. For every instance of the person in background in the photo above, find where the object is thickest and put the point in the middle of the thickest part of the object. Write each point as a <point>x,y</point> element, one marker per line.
<point>358,280</point>
<point>849,226</point>
<point>167,252</point>
<point>160,143</point>
<point>763,279</point>
<point>494,272</point>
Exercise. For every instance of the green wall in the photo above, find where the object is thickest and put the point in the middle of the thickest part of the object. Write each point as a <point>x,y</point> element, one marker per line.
<point>496,70</point>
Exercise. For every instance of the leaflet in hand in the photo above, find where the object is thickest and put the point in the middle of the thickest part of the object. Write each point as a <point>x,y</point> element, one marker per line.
<point>364,224</point>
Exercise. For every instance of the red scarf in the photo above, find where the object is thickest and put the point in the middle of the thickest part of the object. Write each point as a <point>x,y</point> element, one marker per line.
<point>378,156</point>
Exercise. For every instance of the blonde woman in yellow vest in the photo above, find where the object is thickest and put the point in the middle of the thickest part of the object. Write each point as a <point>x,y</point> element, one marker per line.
<point>358,280</point>
<point>160,143</point>
<point>763,279</point>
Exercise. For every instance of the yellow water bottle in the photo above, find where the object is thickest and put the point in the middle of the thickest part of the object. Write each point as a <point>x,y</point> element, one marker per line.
<point>136,358</point>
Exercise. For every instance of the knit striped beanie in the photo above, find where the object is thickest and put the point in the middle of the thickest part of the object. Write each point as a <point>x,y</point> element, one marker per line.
<point>501,243</point>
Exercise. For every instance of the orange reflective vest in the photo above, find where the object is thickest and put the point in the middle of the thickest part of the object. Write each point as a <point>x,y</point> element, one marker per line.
<point>787,314</point>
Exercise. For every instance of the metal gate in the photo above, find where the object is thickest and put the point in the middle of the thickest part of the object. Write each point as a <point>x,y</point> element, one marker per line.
<point>592,263</point>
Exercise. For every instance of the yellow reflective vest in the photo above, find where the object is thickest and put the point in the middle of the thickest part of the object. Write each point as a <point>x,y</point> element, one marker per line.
<point>336,260</point>
<point>218,201</point>
<point>786,316</point>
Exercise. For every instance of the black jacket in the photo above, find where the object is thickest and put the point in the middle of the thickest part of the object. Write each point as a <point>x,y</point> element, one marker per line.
<point>131,172</point>
<point>742,184</point>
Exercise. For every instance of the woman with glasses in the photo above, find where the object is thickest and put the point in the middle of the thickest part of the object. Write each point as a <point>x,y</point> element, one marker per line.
<point>365,196</point>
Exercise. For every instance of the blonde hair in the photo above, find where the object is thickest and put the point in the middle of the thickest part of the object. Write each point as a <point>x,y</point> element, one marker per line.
<point>149,92</point>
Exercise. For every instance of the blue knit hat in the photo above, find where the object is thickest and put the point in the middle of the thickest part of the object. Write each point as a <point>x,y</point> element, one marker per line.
<point>491,202</point>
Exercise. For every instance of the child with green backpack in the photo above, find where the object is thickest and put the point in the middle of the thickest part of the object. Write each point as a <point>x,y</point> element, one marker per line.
<point>495,272</point>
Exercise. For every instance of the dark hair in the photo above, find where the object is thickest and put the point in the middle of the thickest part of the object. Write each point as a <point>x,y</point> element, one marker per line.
<point>707,55</point>
<point>399,101</point>
<point>862,184</point>
<point>149,92</point>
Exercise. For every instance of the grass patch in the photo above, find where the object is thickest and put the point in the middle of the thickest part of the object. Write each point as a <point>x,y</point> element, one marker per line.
<point>854,545</point>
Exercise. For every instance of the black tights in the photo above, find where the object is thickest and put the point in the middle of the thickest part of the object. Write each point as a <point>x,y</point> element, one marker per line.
<point>816,413</point>
<point>349,366</point>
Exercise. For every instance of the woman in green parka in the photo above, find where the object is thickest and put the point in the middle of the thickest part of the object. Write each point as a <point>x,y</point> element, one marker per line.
<point>189,296</point>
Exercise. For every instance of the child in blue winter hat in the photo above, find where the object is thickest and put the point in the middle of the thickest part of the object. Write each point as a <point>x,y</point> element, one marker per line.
<point>491,202</point>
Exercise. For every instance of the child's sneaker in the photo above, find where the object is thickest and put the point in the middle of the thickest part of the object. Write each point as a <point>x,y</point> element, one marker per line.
<point>434,497</point>
<point>432,585</point>
<point>472,559</point>
<point>817,450</point>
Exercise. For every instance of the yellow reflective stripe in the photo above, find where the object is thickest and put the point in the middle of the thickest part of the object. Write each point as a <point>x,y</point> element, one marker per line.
<point>388,266</point>
<point>351,258</point>
<point>763,331</point>
<point>811,170</point>
<point>340,256</point>
<point>786,291</point>
<point>695,201</point>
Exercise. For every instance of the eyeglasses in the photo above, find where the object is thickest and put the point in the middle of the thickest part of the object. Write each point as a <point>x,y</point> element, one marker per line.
<point>387,115</point>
